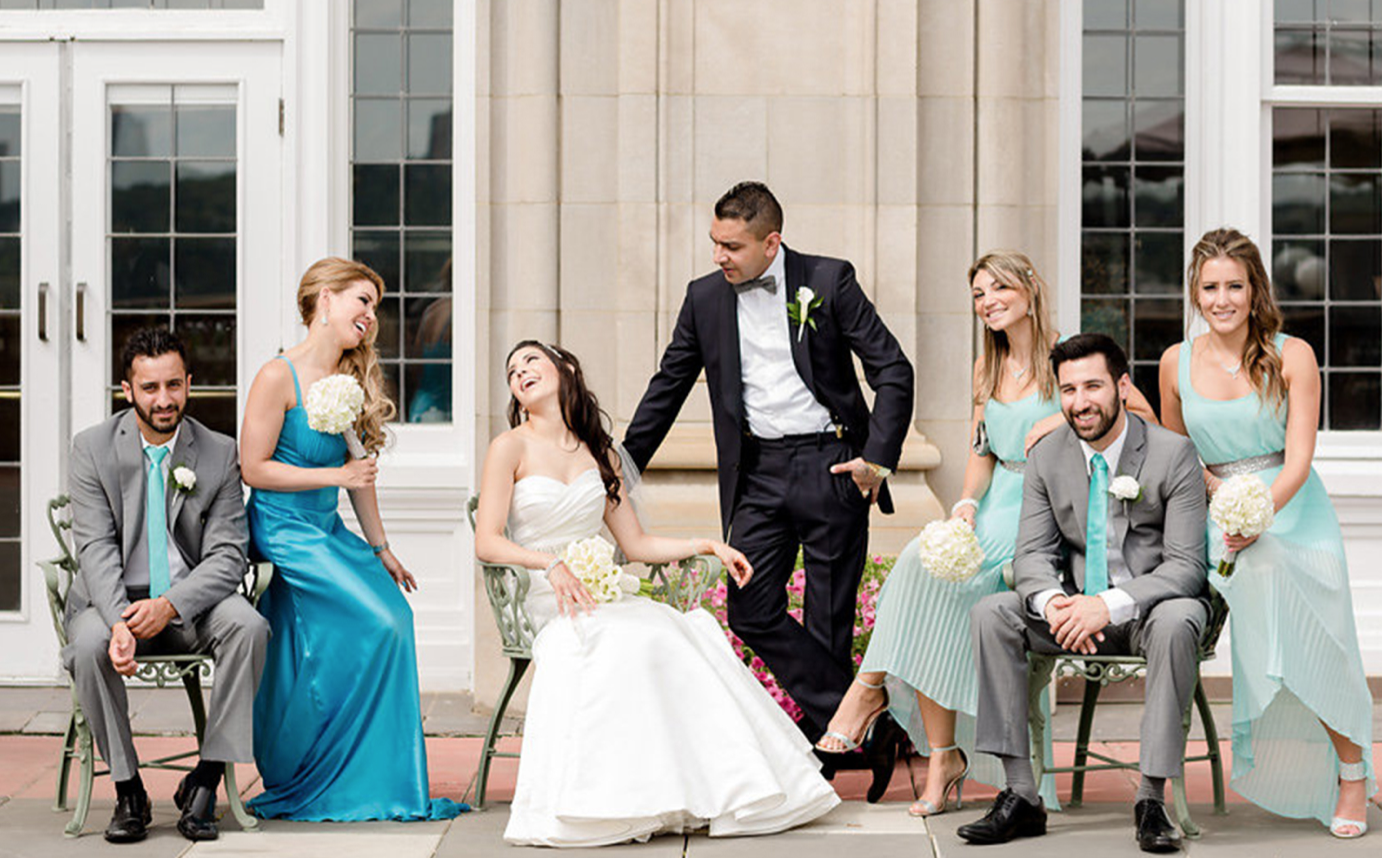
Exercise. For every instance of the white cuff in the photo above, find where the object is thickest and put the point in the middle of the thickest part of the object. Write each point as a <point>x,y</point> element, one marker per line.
<point>1038,602</point>
<point>1121,606</point>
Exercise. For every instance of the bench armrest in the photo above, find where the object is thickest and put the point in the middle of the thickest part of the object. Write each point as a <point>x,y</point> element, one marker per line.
<point>684,584</point>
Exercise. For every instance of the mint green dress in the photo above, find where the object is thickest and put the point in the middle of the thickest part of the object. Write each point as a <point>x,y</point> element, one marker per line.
<point>1295,647</point>
<point>921,631</point>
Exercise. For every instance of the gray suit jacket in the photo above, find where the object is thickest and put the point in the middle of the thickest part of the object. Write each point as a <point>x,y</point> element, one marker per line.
<point>1163,532</point>
<point>107,487</point>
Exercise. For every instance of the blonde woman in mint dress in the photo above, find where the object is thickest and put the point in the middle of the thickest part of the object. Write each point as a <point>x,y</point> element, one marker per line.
<point>1248,397</point>
<point>920,641</point>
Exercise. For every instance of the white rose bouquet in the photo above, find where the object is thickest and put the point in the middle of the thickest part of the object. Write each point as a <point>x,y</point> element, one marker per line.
<point>592,561</point>
<point>333,404</point>
<point>950,550</point>
<point>1241,507</point>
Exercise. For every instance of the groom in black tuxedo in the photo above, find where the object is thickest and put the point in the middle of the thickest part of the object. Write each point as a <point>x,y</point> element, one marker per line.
<point>801,458</point>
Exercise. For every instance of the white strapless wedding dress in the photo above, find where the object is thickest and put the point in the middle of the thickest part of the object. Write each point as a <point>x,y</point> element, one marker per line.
<point>641,719</point>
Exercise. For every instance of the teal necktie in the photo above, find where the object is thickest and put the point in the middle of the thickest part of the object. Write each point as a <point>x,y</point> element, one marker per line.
<point>1096,528</point>
<point>156,520</point>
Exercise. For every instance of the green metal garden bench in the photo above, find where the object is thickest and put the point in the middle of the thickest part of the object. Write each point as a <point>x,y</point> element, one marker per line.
<point>161,670</point>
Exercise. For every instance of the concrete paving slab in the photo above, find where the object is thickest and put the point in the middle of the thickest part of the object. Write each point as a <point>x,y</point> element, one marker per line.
<point>32,830</point>
<point>481,833</point>
<point>404,841</point>
<point>34,698</point>
<point>48,723</point>
<point>455,715</point>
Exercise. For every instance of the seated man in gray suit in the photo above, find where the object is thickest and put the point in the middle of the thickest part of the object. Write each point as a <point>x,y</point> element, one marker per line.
<point>1096,574</point>
<point>158,519</point>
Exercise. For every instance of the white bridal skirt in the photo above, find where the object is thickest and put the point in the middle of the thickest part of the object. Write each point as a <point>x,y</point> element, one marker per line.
<point>641,720</point>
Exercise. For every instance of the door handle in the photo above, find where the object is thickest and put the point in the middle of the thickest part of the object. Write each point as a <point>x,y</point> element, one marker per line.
<point>43,312</point>
<point>81,312</point>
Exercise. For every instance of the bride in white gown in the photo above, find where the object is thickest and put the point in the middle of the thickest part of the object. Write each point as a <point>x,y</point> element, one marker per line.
<point>641,720</point>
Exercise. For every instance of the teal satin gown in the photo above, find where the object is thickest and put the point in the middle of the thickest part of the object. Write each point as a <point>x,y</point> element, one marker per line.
<point>921,631</point>
<point>1295,646</point>
<point>337,718</point>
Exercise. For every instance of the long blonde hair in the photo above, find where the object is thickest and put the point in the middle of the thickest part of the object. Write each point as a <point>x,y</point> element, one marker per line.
<point>362,362</point>
<point>1015,269</point>
<point>1261,358</point>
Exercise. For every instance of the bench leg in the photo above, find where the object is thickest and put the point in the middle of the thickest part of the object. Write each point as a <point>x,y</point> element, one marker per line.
<point>87,754</point>
<point>69,739</point>
<point>517,667</point>
<point>1187,825</point>
<point>1038,678</point>
<point>192,681</point>
<point>1211,736</point>
<point>237,807</point>
<point>1087,707</point>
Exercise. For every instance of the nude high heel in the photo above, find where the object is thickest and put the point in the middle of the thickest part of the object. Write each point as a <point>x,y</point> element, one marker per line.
<point>848,743</point>
<point>922,807</point>
<point>1350,772</point>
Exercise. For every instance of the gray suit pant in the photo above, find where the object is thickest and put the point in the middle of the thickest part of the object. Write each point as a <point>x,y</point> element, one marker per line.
<point>1167,636</point>
<point>233,632</point>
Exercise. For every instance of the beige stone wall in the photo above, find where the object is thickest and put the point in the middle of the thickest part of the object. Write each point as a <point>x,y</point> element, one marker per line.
<point>904,135</point>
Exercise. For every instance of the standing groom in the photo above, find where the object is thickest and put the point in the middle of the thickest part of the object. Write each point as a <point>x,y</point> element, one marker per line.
<point>800,456</point>
<point>158,518</point>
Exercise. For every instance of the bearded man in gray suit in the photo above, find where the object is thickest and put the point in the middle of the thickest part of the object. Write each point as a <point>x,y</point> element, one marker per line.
<point>158,519</point>
<point>1097,571</point>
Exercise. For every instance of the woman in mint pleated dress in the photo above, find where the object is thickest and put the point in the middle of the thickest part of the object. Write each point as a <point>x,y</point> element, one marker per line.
<point>920,640</point>
<point>1248,396</point>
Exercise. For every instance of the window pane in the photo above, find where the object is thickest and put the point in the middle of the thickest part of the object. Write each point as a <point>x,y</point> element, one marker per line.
<point>429,63</point>
<point>210,345</point>
<point>139,272</point>
<point>1159,68</point>
<point>10,175</point>
<point>1158,263</point>
<point>9,273</point>
<point>1355,400</point>
<point>10,430</point>
<point>1299,57</point>
<point>1301,11</point>
<point>141,132</point>
<point>205,273</point>
<point>1106,196</point>
<point>1355,139</point>
<point>428,200</point>
<point>1298,137</point>
<point>384,14</point>
<point>429,129</point>
<point>429,392</point>
<point>376,195</point>
<point>1298,204</point>
<point>11,344</point>
<point>140,196</point>
<point>1160,130</point>
<point>1157,327</point>
<point>1108,15</point>
<point>215,409</point>
<point>1105,316</point>
<point>10,493</point>
<point>378,64</point>
<point>1307,322</point>
<point>206,131</point>
<point>10,589</point>
<point>1160,196</point>
<point>122,327</point>
<point>379,250</point>
<point>1354,204</point>
<point>11,136</point>
<point>1105,65</point>
<point>427,261</point>
<point>429,13</point>
<point>1158,15</point>
<point>1350,57</point>
<point>378,129</point>
<point>387,313</point>
<point>428,328</point>
<point>1298,270</point>
<point>1355,270</point>
<point>1104,264</point>
<point>206,196</point>
<point>1355,336</point>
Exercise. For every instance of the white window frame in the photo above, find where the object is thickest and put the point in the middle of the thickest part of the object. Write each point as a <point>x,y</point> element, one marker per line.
<point>1229,98</point>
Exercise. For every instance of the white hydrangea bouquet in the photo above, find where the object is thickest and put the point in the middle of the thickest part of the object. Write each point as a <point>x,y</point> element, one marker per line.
<point>950,550</point>
<point>1241,507</point>
<point>592,561</point>
<point>333,404</point>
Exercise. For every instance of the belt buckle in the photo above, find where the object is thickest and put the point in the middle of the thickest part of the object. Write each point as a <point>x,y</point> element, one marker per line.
<point>839,431</point>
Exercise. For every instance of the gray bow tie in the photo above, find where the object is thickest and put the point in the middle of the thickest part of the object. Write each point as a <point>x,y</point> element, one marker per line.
<point>767,281</point>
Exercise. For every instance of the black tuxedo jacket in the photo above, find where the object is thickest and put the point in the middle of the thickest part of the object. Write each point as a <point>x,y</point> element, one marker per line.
<point>707,337</point>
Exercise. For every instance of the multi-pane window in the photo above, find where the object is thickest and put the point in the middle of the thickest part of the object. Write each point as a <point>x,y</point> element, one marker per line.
<point>10,356</point>
<point>1328,42</point>
<point>1326,254</point>
<point>401,182</point>
<point>1133,178</point>
<point>173,239</point>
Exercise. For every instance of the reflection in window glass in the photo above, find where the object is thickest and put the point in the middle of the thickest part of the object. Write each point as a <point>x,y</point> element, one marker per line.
<point>1133,188</point>
<point>401,191</point>
<point>1328,42</point>
<point>11,425</point>
<point>1326,255</point>
<point>173,244</point>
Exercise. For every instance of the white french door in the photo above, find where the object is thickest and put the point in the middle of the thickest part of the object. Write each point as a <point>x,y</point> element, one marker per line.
<point>143,186</point>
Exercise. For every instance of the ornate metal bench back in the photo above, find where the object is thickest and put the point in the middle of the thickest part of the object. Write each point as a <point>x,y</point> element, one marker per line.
<point>59,572</point>
<point>506,587</point>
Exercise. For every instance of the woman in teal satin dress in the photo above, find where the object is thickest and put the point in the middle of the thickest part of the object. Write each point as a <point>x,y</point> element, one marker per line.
<point>337,719</point>
<point>920,640</point>
<point>1248,396</point>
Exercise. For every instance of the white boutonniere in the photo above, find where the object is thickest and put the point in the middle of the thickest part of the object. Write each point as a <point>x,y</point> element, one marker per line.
<point>1125,488</point>
<point>800,310</point>
<point>184,478</point>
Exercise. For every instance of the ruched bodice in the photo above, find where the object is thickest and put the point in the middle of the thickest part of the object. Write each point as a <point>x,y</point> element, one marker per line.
<point>547,514</point>
<point>302,446</point>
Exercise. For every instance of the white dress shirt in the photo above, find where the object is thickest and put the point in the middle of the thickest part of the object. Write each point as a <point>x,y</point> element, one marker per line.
<point>1121,606</point>
<point>776,400</point>
<point>177,568</point>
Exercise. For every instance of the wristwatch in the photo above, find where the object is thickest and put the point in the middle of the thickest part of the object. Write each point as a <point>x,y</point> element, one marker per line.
<point>879,471</point>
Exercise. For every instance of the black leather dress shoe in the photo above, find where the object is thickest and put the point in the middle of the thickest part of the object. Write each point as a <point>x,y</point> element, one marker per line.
<point>1010,817</point>
<point>130,822</point>
<point>880,749</point>
<point>198,806</point>
<point>1155,833</point>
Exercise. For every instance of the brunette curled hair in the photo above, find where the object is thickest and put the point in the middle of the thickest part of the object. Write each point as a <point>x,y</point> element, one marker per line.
<point>580,410</point>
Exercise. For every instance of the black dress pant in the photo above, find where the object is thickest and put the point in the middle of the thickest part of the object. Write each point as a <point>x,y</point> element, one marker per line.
<point>788,499</point>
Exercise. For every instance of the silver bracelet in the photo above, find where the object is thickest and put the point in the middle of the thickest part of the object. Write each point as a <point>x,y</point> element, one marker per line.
<point>963,502</point>
<point>550,566</point>
<point>380,549</point>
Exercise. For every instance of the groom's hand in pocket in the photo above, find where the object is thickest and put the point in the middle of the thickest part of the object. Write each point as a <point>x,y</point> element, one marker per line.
<point>865,476</point>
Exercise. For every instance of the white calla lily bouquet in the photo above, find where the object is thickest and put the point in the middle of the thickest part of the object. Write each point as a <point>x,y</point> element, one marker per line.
<point>950,551</point>
<point>592,561</point>
<point>1242,506</point>
<point>333,405</point>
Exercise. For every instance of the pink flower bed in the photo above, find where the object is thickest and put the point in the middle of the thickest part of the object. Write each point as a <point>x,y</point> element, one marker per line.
<point>875,572</point>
